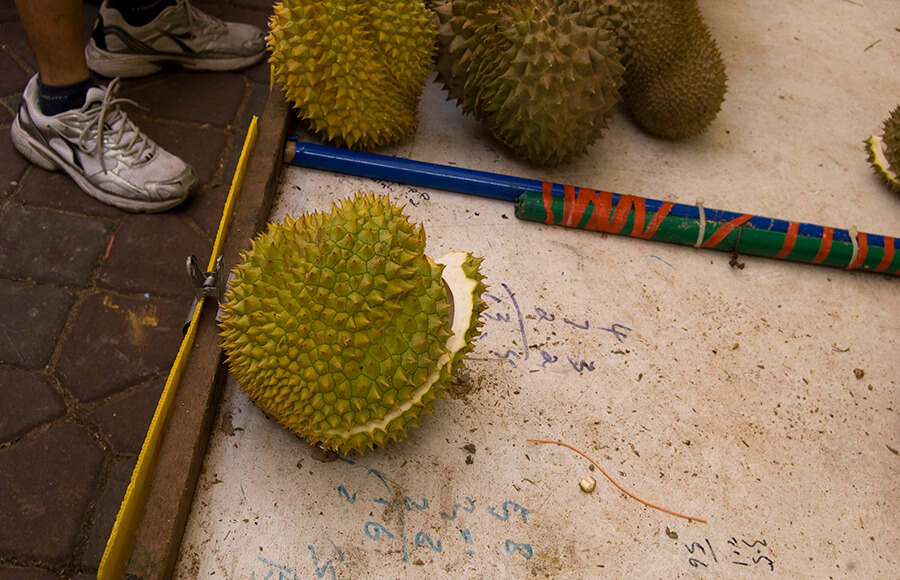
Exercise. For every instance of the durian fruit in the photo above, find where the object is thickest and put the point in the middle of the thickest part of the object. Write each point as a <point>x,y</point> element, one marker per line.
<point>354,70</point>
<point>884,151</point>
<point>342,329</point>
<point>675,77</point>
<point>541,75</point>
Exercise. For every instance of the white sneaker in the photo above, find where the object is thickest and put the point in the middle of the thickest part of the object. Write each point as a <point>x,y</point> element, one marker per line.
<point>103,151</point>
<point>180,36</point>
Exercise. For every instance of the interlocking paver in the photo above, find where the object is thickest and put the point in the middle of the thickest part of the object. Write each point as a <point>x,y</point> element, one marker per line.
<point>118,342</point>
<point>12,166</point>
<point>148,256</point>
<point>119,421</point>
<point>89,329</point>
<point>6,117</point>
<point>7,11</point>
<point>164,94</point>
<point>14,41</point>
<point>13,77</point>
<point>56,190</point>
<point>106,511</point>
<point>49,246</point>
<point>16,573</point>
<point>206,211</point>
<point>21,390</point>
<point>32,316</point>
<point>47,485</point>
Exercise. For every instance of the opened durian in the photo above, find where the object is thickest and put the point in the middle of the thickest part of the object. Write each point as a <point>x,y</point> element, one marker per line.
<point>884,151</point>
<point>338,326</point>
<point>542,75</point>
<point>675,78</point>
<point>354,71</point>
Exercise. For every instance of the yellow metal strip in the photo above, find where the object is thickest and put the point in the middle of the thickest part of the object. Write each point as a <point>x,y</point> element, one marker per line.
<point>118,548</point>
<point>236,183</point>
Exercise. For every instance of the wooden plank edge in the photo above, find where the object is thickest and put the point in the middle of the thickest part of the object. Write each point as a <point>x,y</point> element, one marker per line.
<point>154,552</point>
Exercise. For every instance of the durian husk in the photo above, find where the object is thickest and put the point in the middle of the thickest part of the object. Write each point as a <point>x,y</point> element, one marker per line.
<point>338,326</point>
<point>884,151</point>
<point>675,76</point>
<point>354,71</point>
<point>541,75</point>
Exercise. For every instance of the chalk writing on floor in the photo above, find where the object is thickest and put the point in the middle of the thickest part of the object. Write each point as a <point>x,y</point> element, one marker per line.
<point>407,526</point>
<point>702,554</point>
<point>406,536</point>
<point>414,196</point>
<point>504,309</point>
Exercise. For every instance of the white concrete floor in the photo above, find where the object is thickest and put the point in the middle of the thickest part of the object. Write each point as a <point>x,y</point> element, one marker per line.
<point>764,399</point>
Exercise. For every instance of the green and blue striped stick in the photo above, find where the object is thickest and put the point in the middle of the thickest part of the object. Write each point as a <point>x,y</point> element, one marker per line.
<point>634,216</point>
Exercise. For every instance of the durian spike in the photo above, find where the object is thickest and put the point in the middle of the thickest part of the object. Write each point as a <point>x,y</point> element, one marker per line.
<point>630,215</point>
<point>884,151</point>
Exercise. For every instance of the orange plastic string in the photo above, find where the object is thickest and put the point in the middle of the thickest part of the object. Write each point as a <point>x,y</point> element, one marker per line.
<point>622,489</point>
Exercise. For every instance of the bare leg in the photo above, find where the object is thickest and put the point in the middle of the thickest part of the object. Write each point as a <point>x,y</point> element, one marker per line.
<point>53,28</point>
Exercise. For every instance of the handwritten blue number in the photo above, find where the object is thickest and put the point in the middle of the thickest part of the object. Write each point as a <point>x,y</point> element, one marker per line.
<point>342,491</point>
<point>523,549</point>
<point>320,571</point>
<point>505,515</point>
<point>468,508</point>
<point>374,531</point>
<point>506,356</point>
<point>542,315</point>
<point>581,365</point>
<point>409,503</point>
<point>423,539</point>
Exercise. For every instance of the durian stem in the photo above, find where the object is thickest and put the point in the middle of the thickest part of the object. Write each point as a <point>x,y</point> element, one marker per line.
<point>630,215</point>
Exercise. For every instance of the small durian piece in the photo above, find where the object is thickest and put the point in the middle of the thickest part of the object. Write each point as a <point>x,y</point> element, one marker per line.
<point>541,75</point>
<point>342,329</point>
<point>355,71</point>
<point>884,151</point>
<point>675,78</point>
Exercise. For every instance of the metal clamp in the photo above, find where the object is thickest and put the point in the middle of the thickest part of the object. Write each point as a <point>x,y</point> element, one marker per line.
<point>206,284</point>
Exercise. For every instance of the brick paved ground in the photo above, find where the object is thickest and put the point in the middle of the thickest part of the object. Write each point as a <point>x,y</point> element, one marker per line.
<point>92,302</point>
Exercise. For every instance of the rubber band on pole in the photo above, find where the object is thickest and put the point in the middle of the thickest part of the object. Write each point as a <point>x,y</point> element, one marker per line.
<point>702,233</point>
<point>853,235</point>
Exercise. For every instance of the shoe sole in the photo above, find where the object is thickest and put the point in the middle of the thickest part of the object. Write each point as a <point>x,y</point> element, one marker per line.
<point>110,64</point>
<point>46,158</point>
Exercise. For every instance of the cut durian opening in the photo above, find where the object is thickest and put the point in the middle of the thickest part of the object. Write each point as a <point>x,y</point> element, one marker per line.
<point>461,296</point>
<point>877,147</point>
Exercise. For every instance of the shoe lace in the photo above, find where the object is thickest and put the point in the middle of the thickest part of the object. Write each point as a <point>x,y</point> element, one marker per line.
<point>202,22</point>
<point>108,122</point>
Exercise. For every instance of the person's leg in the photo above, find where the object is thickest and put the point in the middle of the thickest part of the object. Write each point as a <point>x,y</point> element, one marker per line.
<point>53,28</point>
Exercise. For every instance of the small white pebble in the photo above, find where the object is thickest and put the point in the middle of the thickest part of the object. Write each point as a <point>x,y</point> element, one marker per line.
<point>588,484</point>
